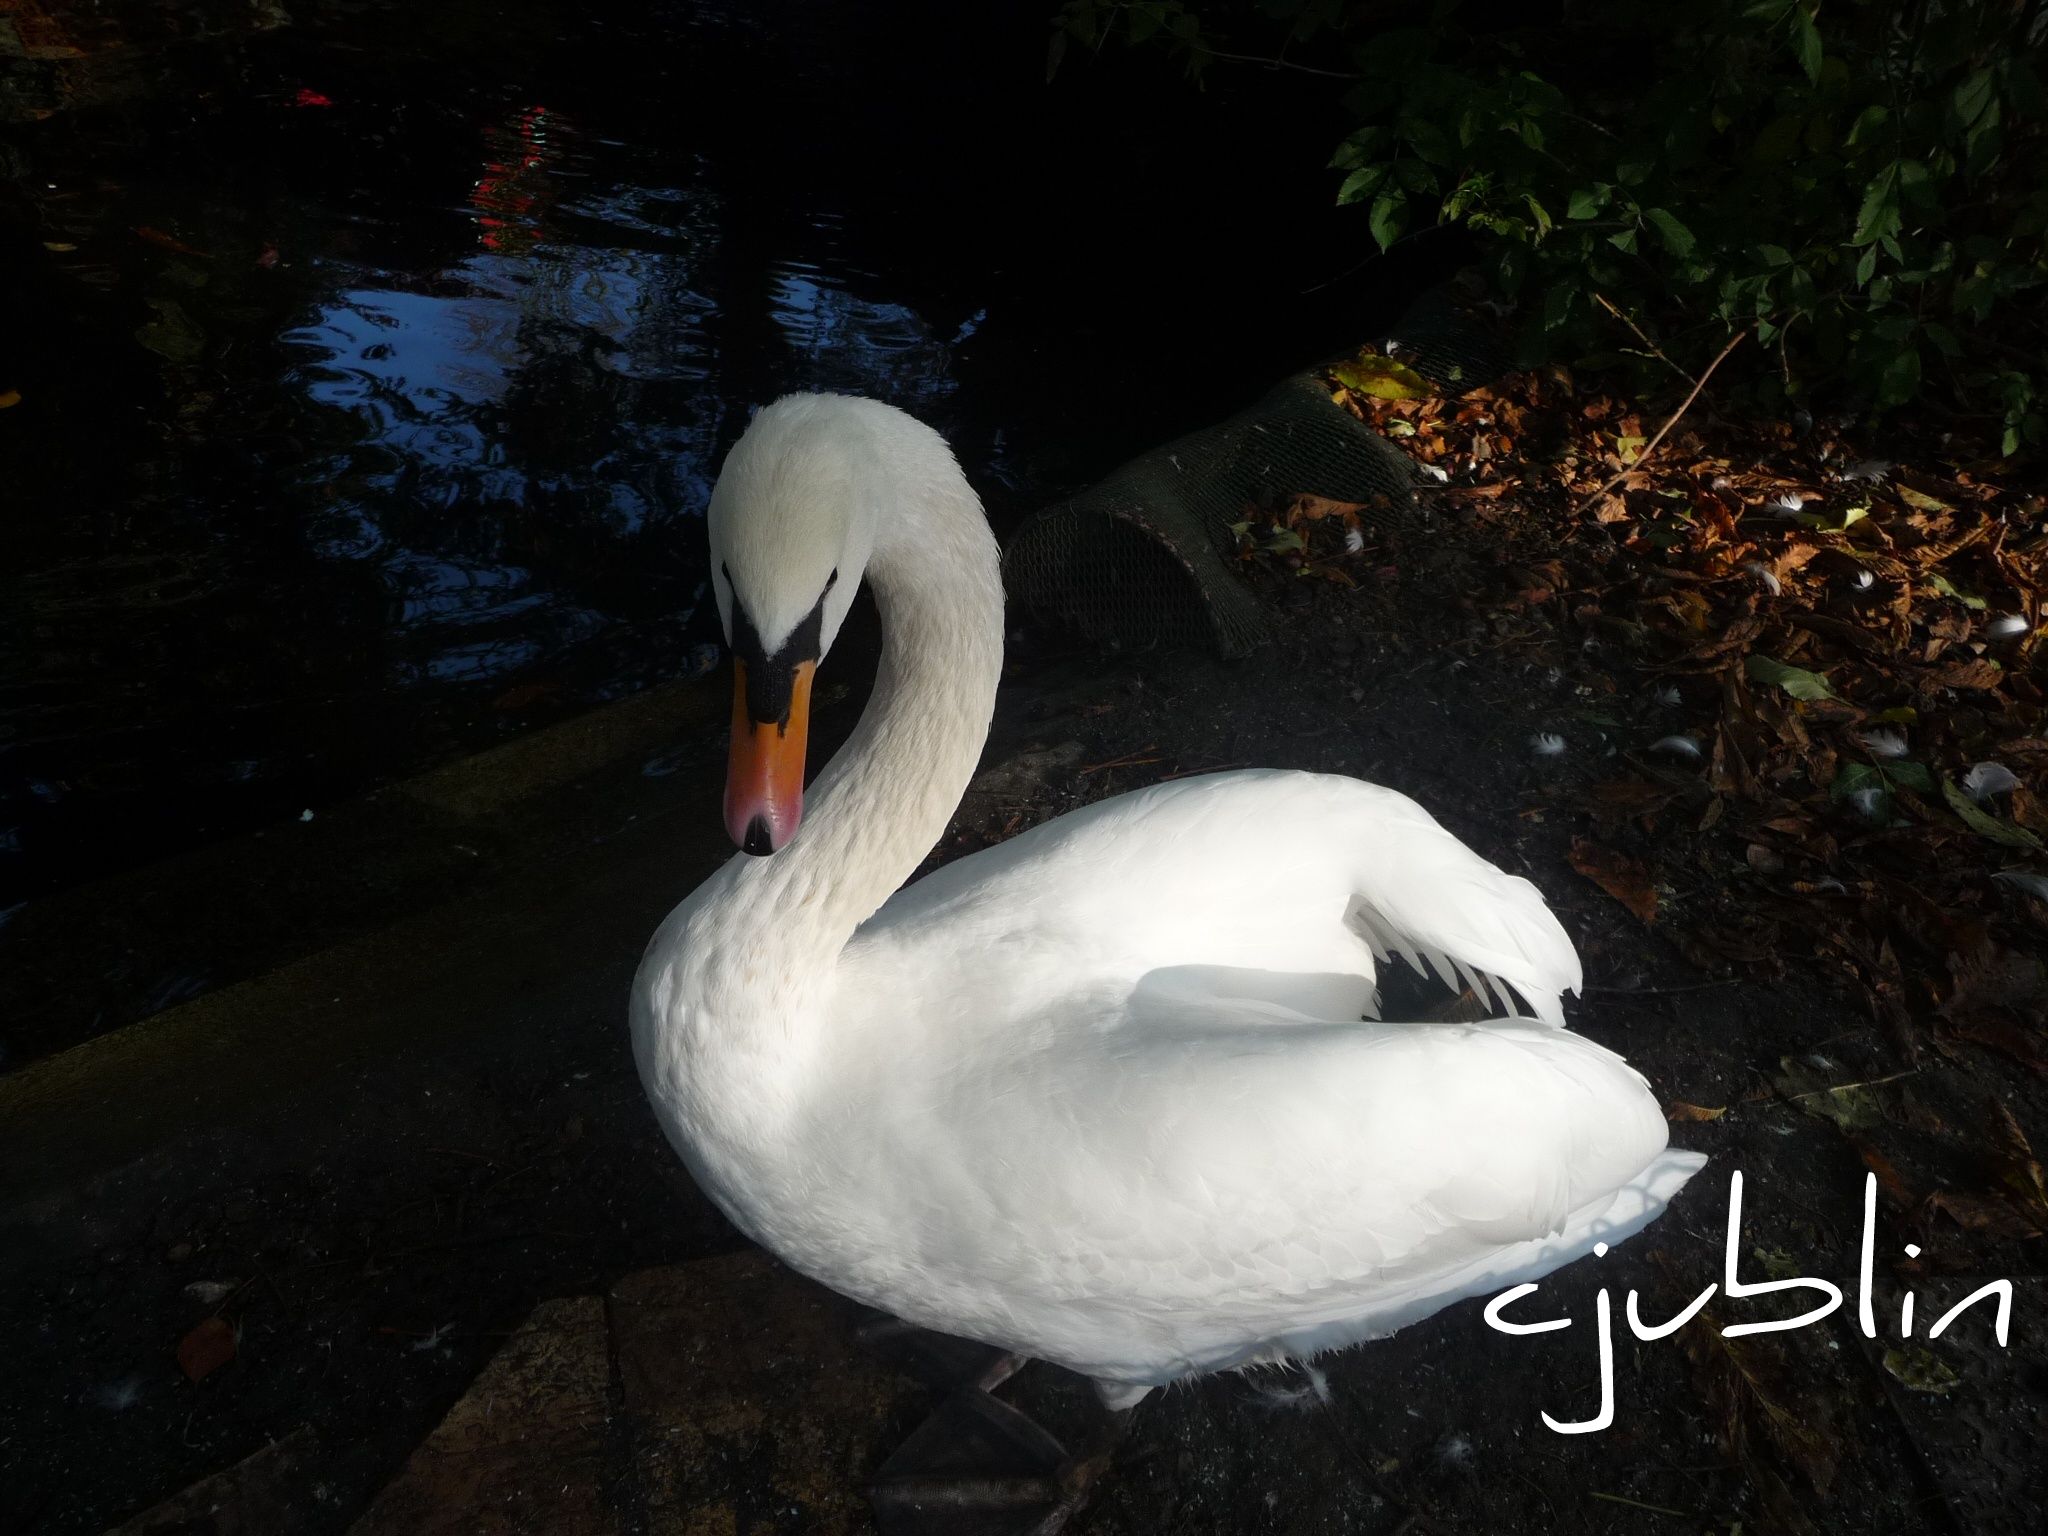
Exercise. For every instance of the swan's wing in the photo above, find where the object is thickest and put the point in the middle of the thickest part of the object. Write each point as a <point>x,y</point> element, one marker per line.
<point>1290,882</point>
<point>1176,1194</point>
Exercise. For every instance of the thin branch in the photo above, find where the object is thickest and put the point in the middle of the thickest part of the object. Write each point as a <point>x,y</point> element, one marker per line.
<point>1255,58</point>
<point>1641,335</point>
<point>1651,446</point>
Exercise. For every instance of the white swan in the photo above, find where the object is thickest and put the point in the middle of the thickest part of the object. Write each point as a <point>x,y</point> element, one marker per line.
<point>1101,1095</point>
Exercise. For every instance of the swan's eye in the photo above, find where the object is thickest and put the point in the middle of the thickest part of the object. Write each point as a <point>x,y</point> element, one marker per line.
<point>832,580</point>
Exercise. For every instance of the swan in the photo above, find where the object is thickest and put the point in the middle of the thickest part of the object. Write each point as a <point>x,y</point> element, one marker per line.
<point>1113,1093</point>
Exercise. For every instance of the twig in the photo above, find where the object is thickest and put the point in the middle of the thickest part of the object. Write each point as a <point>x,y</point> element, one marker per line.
<point>1651,446</point>
<point>1128,760</point>
<point>1655,351</point>
<point>1185,773</point>
<point>1254,58</point>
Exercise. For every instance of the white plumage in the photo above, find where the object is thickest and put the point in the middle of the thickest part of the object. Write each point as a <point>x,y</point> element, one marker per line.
<point>1110,1094</point>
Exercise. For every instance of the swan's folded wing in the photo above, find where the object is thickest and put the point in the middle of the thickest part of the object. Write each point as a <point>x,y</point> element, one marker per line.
<point>1262,873</point>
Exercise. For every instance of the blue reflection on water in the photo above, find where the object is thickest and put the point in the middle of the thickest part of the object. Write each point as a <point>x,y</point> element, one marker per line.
<point>531,414</point>
<point>859,345</point>
<point>461,408</point>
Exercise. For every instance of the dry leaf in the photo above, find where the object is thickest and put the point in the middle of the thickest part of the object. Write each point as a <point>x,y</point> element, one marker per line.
<point>1679,1112</point>
<point>1621,877</point>
<point>206,1348</point>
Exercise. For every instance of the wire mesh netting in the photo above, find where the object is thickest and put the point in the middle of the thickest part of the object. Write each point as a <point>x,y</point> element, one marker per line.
<point>1144,557</point>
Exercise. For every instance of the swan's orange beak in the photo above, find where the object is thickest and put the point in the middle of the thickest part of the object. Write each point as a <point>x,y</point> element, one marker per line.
<point>764,778</point>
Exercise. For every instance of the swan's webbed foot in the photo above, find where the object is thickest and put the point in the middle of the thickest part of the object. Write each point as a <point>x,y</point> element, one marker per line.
<point>978,1467</point>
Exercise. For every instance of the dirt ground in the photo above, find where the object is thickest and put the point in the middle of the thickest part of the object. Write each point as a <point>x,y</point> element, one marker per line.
<point>373,1161</point>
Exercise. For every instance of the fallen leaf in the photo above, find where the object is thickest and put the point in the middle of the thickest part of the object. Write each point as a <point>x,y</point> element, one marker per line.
<point>1797,681</point>
<point>1382,378</point>
<point>1620,876</point>
<point>169,242</point>
<point>1855,1106</point>
<point>1983,823</point>
<point>1949,589</point>
<point>1979,673</point>
<point>1919,1369</point>
<point>1679,1112</point>
<point>2016,1206</point>
<point>1757,1406</point>
<point>1307,508</point>
<point>172,334</point>
<point>206,1348</point>
<point>2025,1046</point>
<point>1888,1178</point>
<point>9,397</point>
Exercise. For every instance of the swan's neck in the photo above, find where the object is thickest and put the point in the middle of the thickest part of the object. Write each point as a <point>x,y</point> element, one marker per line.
<point>776,925</point>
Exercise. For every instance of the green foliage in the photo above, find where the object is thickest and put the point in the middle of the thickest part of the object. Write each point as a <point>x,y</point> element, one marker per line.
<point>1859,182</point>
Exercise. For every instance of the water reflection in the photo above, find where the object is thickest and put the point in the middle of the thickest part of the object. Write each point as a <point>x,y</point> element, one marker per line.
<point>859,346</point>
<point>466,490</point>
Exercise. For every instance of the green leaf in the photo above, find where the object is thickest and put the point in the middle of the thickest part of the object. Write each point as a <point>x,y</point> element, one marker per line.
<point>1557,307</point>
<point>1797,681</point>
<point>1383,378</point>
<point>1852,777</point>
<point>1865,265</point>
<point>1921,1370</point>
<point>1841,522</point>
<point>1900,380</point>
<point>1913,776</point>
<point>1587,202</point>
<point>1774,255</point>
<point>1975,95</point>
<point>1806,42</point>
<point>1879,215</point>
<point>1851,1107</point>
<point>1983,823</point>
<point>1361,183</point>
<point>1868,121</point>
<point>1949,589</point>
<point>1389,215</point>
<point>1676,237</point>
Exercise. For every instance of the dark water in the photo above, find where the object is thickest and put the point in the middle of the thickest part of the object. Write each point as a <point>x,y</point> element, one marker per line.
<point>375,363</point>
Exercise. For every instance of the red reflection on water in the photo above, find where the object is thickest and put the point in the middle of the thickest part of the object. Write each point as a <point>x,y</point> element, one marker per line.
<point>512,195</point>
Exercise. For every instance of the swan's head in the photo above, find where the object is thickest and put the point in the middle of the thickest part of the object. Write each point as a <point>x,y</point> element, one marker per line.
<point>792,524</point>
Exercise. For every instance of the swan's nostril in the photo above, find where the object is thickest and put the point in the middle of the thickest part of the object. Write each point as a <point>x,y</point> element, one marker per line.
<point>758,841</point>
